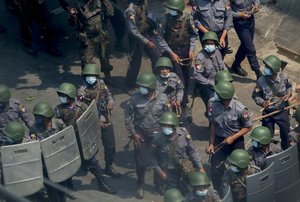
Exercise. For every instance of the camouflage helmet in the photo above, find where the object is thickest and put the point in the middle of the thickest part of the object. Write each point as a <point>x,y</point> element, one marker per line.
<point>147,80</point>
<point>91,69</point>
<point>261,134</point>
<point>43,109</point>
<point>173,195</point>
<point>297,114</point>
<point>225,89</point>
<point>176,4</point>
<point>223,75</point>
<point>239,158</point>
<point>15,131</point>
<point>210,36</point>
<point>4,93</point>
<point>273,62</point>
<point>67,89</point>
<point>199,179</point>
<point>169,118</point>
<point>164,62</point>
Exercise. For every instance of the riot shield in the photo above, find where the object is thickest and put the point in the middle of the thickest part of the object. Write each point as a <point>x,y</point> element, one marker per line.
<point>61,155</point>
<point>89,131</point>
<point>261,185</point>
<point>286,174</point>
<point>228,196</point>
<point>22,168</point>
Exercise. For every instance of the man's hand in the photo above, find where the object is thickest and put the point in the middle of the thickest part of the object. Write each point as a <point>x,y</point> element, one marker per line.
<point>175,57</point>
<point>286,97</point>
<point>210,149</point>
<point>162,175</point>
<point>244,15</point>
<point>265,104</point>
<point>222,42</point>
<point>255,8</point>
<point>191,55</point>
<point>110,106</point>
<point>178,103</point>
<point>151,45</point>
<point>137,139</point>
<point>229,140</point>
<point>202,170</point>
<point>73,12</point>
<point>102,125</point>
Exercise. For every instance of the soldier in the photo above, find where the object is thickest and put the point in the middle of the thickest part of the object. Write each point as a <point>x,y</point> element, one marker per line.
<point>214,16</point>
<point>11,110</point>
<point>173,195</point>
<point>208,62</point>
<point>272,92</point>
<point>172,155</point>
<point>230,121</point>
<point>294,135</point>
<point>202,190</point>
<point>262,147</point>
<point>243,20</point>
<point>142,30</point>
<point>92,33</point>
<point>94,88</point>
<point>35,10</point>
<point>142,116</point>
<point>69,111</point>
<point>177,39</point>
<point>240,168</point>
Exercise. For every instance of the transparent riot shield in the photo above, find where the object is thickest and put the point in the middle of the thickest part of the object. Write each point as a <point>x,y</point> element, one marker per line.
<point>228,196</point>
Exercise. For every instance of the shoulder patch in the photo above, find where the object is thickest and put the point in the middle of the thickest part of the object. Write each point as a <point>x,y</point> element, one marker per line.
<point>257,90</point>
<point>198,66</point>
<point>22,109</point>
<point>245,114</point>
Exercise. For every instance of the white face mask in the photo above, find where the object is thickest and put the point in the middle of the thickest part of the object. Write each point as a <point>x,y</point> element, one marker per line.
<point>167,131</point>
<point>173,12</point>
<point>143,90</point>
<point>210,48</point>
<point>91,79</point>
<point>234,169</point>
<point>165,76</point>
<point>255,144</point>
<point>202,193</point>
<point>63,100</point>
<point>216,96</point>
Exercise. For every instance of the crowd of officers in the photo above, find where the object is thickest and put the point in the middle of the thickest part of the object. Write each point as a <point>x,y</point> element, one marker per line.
<point>157,115</point>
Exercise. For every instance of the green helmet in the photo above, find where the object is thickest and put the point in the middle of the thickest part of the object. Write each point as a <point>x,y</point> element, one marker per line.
<point>91,69</point>
<point>210,36</point>
<point>147,80</point>
<point>176,4</point>
<point>4,93</point>
<point>43,109</point>
<point>169,118</point>
<point>15,131</point>
<point>199,179</point>
<point>173,195</point>
<point>261,134</point>
<point>164,62</point>
<point>273,62</point>
<point>67,89</point>
<point>225,89</point>
<point>239,158</point>
<point>297,114</point>
<point>223,75</point>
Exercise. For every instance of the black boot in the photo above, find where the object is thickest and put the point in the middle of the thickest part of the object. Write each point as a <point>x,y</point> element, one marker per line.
<point>103,186</point>
<point>109,170</point>
<point>258,74</point>
<point>239,71</point>
<point>140,191</point>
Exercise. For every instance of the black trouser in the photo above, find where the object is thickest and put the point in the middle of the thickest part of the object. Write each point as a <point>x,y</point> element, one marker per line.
<point>54,195</point>
<point>118,24</point>
<point>109,144</point>
<point>283,121</point>
<point>218,158</point>
<point>206,92</point>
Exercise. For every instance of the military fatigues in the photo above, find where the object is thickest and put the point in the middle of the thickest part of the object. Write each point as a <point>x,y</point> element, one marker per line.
<point>13,112</point>
<point>171,157</point>
<point>227,122</point>
<point>266,89</point>
<point>101,93</point>
<point>92,34</point>
<point>237,182</point>
<point>215,16</point>
<point>294,137</point>
<point>211,196</point>
<point>139,120</point>
<point>179,35</point>
<point>140,33</point>
<point>245,31</point>
<point>206,67</point>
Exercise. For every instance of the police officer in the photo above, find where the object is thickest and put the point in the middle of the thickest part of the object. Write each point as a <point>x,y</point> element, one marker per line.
<point>243,20</point>
<point>69,111</point>
<point>208,62</point>
<point>177,39</point>
<point>88,16</point>
<point>272,92</point>
<point>172,155</point>
<point>168,79</point>
<point>214,16</point>
<point>202,190</point>
<point>142,30</point>
<point>142,116</point>
<point>11,110</point>
<point>294,135</point>
<point>230,121</point>
<point>262,147</point>
<point>240,168</point>
<point>94,88</point>
<point>173,195</point>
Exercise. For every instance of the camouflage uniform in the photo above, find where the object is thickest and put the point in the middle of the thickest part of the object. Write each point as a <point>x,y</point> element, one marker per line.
<point>211,196</point>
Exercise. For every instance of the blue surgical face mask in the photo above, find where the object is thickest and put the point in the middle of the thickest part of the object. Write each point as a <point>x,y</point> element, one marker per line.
<point>173,12</point>
<point>234,169</point>
<point>167,131</point>
<point>201,193</point>
<point>267,71</point>
<point>165,76</point>
<point>255,144</point>
<point>38,120</point>
<point>210,48</point>
<point>63,100</point>
<point>216,96</point>
<point>143,90</point>
<point>91,79</point>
